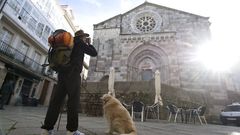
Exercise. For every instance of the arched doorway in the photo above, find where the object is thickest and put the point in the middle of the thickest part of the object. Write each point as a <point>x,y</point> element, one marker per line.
<point>147,74</point>
<point>144,60</point>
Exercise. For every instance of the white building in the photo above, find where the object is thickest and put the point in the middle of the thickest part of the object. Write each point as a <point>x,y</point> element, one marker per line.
<point>24,29</point>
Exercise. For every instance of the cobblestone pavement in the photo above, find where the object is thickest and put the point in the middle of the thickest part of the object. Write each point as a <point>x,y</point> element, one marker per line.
<point>27,121</point>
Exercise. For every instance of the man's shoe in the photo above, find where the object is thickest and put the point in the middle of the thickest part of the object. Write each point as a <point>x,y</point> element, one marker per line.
<point>47,132</point>
<point>75,133</point>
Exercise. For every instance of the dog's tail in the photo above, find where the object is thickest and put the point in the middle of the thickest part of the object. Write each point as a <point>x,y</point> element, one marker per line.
<point>132,133</point>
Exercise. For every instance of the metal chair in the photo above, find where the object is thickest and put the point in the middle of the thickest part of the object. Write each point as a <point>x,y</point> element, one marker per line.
<point>138,108</point>
<point>199,112</point>
<point>128,107</point>
<point>154,109</point>
<point>173,110</point>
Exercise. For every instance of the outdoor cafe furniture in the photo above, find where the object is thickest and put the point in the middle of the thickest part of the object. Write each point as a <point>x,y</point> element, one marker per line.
<point>186,113</point>
<point>94,104</point>
<point>138,108</point>
<point>154,109</point>
<point>199,113</point>
<point>174,110</point>
<point>128,107</point>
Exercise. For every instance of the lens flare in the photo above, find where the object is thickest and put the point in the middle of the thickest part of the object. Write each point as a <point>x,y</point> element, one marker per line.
<point>218,58</point>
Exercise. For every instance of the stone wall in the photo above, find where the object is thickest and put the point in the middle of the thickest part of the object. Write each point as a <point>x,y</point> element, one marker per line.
<point>145,91</point>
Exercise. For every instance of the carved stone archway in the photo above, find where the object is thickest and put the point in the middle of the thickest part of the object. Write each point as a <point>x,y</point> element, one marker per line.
<point>147,57</point>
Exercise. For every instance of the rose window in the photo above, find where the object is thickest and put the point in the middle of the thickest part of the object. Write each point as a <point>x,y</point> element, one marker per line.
<point>146,24</point>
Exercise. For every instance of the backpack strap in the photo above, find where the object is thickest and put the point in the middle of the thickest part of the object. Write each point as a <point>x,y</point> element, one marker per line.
<point>49,54</point>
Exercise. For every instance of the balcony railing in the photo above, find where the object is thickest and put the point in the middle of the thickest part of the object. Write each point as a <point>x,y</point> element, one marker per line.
<point>20,58</point>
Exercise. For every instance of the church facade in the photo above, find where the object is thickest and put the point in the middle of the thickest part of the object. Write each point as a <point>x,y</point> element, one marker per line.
<point>151,37</point>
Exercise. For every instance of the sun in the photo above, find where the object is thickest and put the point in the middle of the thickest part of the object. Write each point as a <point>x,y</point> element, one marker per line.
<point>218,58</point>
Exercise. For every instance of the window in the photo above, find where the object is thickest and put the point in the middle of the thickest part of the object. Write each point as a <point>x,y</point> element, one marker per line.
<point>41,3</point>
<point>32,23</point>
<point>34,90</point>
<point>48,6</point>
<point>6,36</point>
<point>23,48</point>
<point>232,108</point>
<point>15,5</point>
<point>36,60</point>
<point>22,51</point>
<point>46,33</point>
<point>37,57</point>
<point>146,24</point>
<point>39,29</point>
<point>25,12</point>
<point>49,13</point>
<point>19,86</point>
<point>5,41</point>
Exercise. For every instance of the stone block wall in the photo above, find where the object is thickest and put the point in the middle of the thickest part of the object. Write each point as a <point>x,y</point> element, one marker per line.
<point>145,91</point>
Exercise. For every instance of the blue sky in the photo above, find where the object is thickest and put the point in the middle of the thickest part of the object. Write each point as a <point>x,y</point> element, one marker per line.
<point>89,12</point>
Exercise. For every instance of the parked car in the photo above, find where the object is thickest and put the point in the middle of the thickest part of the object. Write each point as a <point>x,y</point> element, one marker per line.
<point>231,114</point>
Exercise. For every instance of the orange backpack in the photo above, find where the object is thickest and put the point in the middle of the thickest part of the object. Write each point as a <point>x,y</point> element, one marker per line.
<point>61,44</point>
<point>61,38</point>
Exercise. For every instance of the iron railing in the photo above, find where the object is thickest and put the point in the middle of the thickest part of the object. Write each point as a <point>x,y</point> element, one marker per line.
<point>20,58</point>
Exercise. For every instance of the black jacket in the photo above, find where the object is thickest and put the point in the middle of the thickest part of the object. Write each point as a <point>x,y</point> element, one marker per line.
<point>79,49</point>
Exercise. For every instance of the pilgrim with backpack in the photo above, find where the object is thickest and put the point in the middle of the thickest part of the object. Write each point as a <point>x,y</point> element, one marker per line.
<point>66,55</point>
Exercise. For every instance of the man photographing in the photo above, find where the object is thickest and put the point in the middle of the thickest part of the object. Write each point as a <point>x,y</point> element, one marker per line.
<point>69,82</point>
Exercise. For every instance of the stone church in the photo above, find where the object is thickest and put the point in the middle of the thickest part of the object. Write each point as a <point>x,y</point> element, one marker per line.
<point>152,37</point>
<point>147,38</point>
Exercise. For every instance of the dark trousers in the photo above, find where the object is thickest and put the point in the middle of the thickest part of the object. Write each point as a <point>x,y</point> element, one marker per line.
<point>68,84</point>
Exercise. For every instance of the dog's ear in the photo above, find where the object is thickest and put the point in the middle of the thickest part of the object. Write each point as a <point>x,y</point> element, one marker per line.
<point>102,97</point>
<point>110,93</point>
<point>106,98</point>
